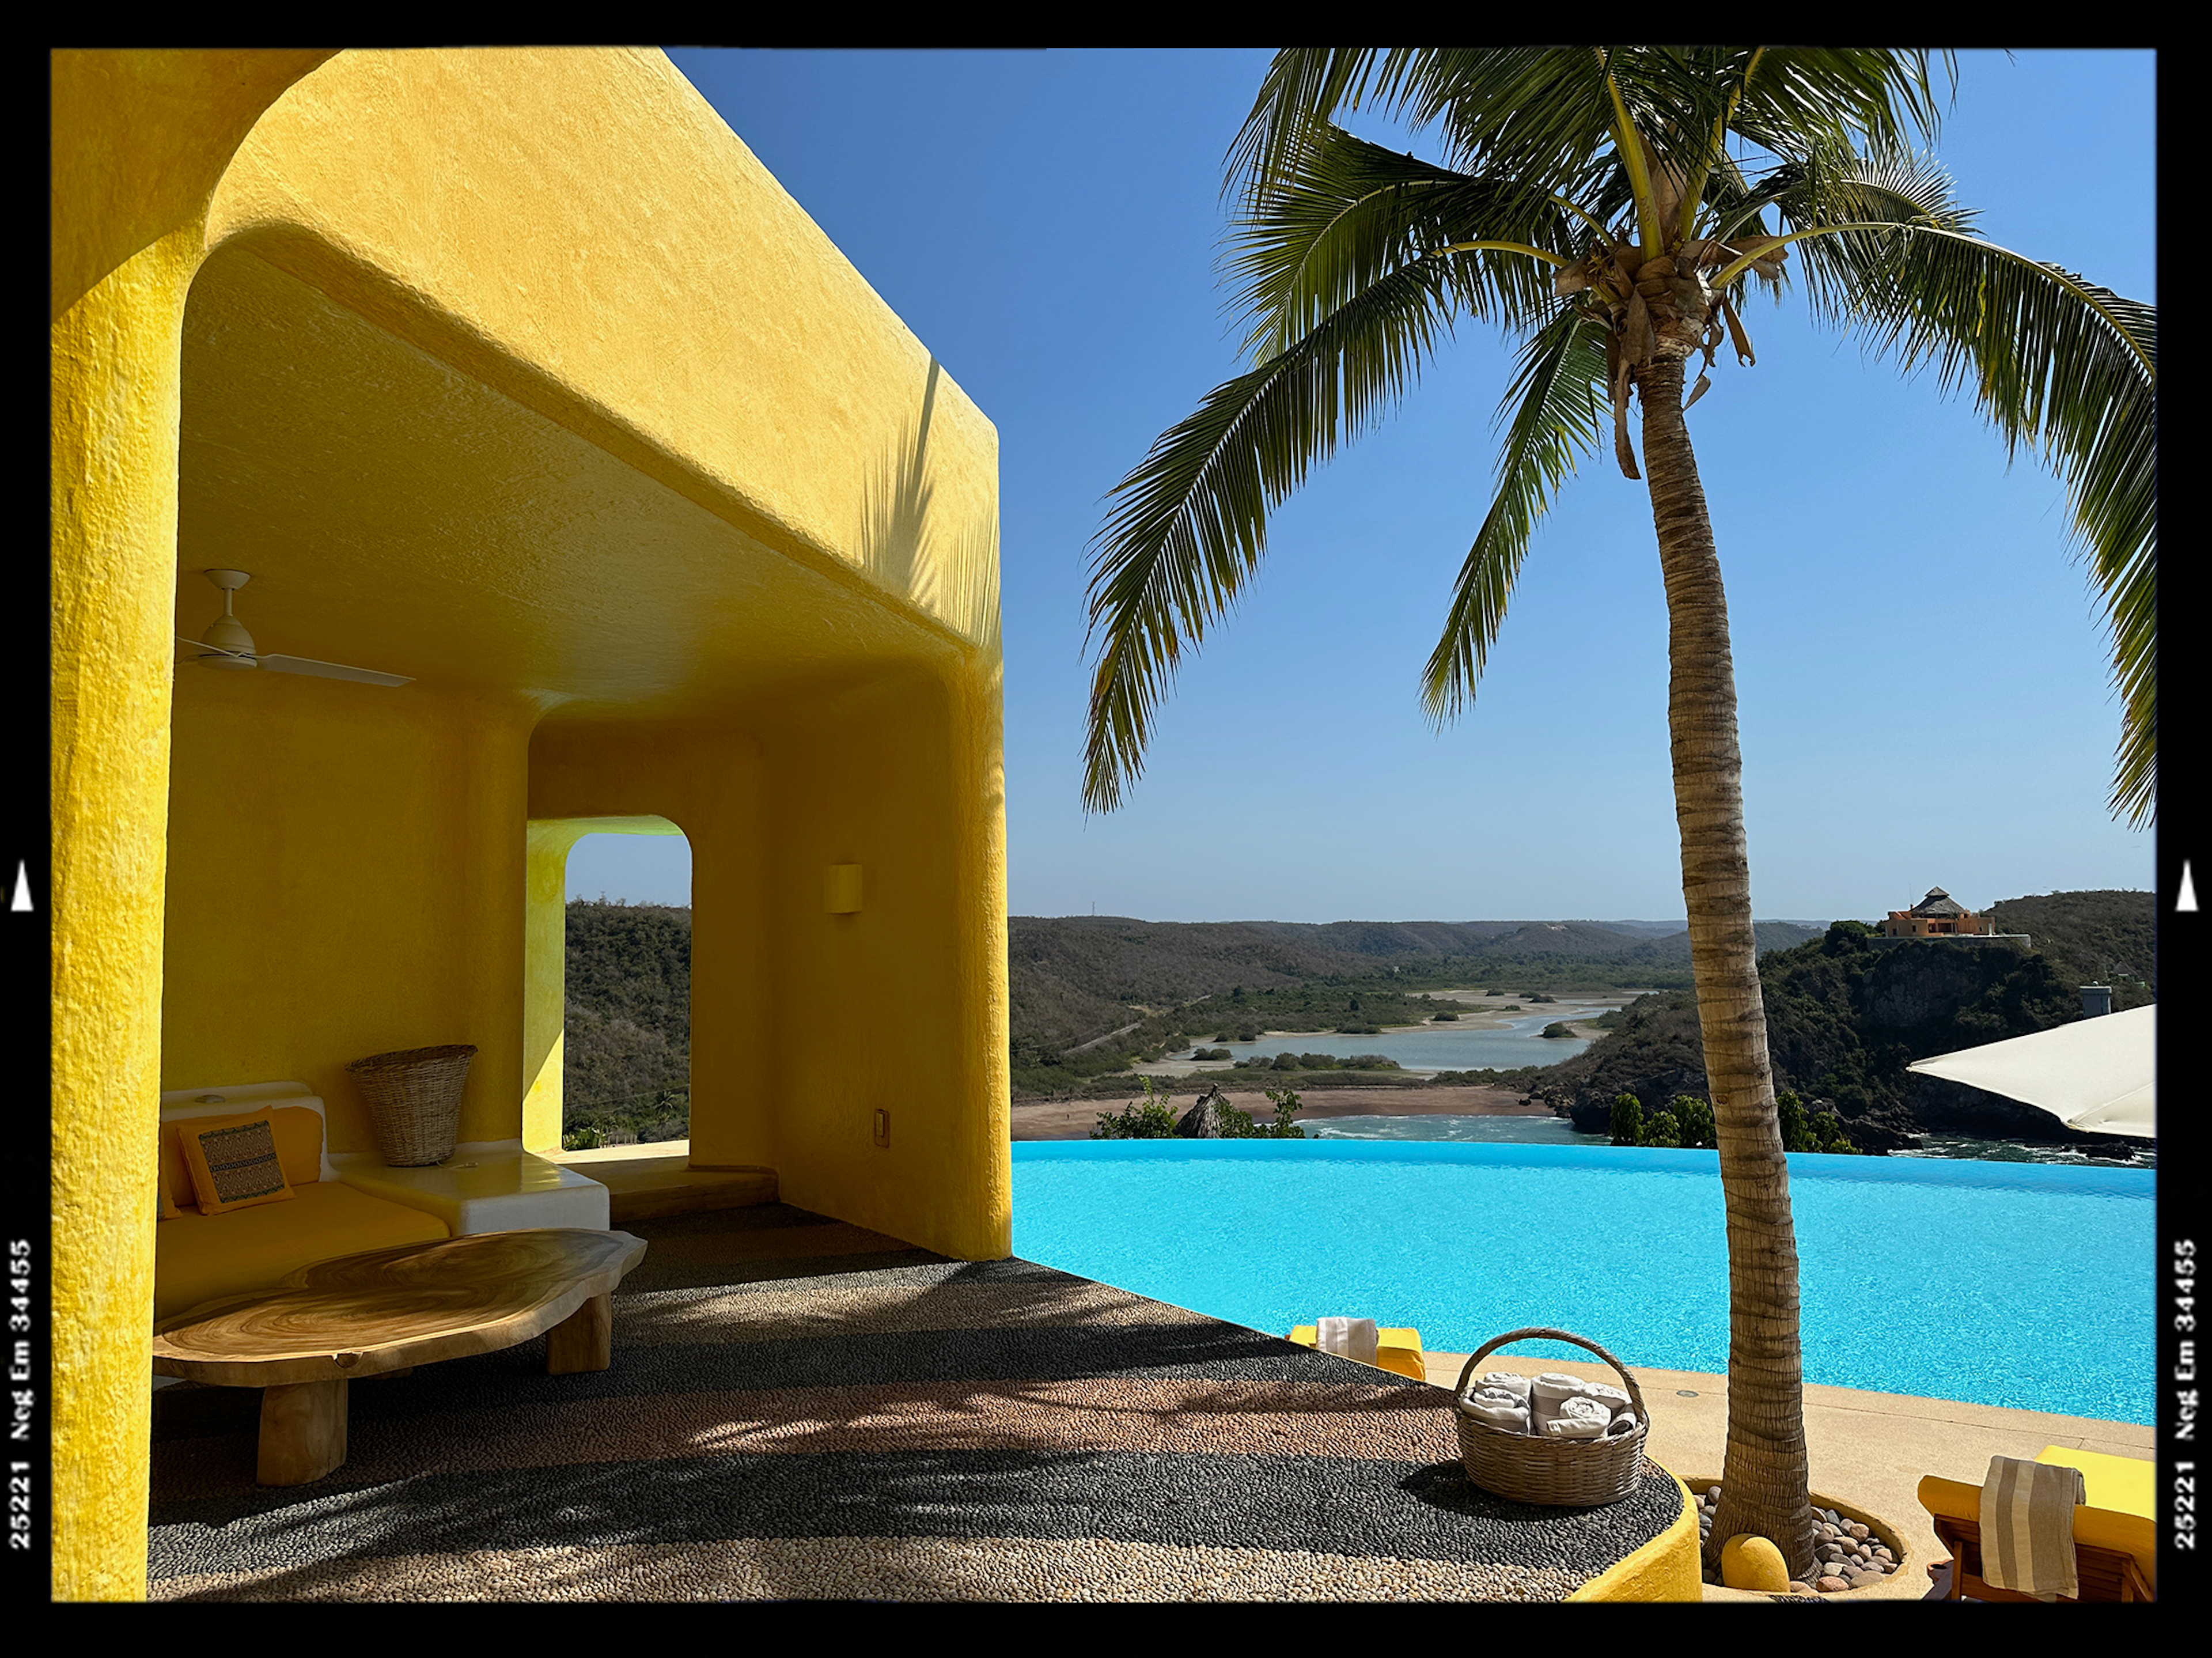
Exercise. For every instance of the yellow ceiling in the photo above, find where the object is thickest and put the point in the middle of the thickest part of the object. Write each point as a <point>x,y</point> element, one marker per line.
<point>398,515</point>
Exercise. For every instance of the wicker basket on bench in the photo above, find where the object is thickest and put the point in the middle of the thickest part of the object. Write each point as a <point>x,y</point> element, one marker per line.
<point>1567,1474</point>
<point>414,1100</point>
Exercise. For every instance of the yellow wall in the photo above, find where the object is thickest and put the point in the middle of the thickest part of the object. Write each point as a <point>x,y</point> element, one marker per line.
<point>708,782</point>
<point>345,878</point>
<point>129,198</point>
<point>901,1007</point>
<point>804,1023</point>
<point>689,483</point>
<point>1668,1568</point>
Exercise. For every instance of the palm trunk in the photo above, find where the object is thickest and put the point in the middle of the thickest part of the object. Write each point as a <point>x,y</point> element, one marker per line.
<point>1764,1478</point>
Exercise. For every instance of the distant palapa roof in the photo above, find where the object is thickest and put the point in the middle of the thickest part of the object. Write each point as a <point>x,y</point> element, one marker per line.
<point>1937,902</point>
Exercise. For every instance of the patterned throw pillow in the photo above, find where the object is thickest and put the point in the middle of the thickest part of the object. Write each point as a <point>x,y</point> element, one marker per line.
<point>234,1163</point>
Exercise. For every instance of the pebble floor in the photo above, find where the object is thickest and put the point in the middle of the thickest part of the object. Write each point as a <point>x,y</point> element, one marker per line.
<point>799,1409</point>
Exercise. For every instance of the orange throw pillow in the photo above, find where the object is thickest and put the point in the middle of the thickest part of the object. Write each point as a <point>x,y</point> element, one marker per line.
<point>233,1162</point>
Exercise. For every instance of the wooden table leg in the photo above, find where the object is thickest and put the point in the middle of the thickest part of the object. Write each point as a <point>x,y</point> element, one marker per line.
<point>303,1432</point>
<point>584,1341</point>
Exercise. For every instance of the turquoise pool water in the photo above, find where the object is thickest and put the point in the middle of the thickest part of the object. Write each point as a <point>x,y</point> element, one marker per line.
<point>2021,1285</point>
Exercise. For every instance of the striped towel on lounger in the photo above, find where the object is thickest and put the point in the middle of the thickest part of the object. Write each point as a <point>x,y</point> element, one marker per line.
<point>2027,1528</point>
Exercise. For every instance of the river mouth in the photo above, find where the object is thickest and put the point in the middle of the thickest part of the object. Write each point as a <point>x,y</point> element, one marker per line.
<point>1484,1038</point>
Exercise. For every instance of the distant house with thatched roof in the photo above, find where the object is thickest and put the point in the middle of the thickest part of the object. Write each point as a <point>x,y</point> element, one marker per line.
<point>1939,916</point>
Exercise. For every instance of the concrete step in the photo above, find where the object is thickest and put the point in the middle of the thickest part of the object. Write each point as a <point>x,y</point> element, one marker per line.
<point>650,1187</point>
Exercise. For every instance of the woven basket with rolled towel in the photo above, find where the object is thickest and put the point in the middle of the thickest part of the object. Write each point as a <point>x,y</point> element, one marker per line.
<point>1573,1467</point>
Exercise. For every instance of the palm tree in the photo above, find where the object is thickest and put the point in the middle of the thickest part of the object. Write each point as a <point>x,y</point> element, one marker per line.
<point>1604,205</point>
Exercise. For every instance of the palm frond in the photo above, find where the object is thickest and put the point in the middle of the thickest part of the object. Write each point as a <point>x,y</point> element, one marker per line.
<point>1558,414</point>
<point>2056,363</point>
<point>1533,113</point>
<point>1799,97</point>
<point>1346,211</point>
<point>1189,526</point>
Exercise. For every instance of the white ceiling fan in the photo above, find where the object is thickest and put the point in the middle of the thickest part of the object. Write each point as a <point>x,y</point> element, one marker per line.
<point>227,645</point>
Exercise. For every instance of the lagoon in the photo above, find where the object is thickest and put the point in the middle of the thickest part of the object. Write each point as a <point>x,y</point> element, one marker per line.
<point>1431,1048</point>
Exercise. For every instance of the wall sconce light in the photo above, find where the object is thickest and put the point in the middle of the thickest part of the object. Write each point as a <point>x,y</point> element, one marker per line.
<point>841,888</point>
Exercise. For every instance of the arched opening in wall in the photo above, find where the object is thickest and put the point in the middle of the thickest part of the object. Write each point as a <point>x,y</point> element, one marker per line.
<point>626,1003</point>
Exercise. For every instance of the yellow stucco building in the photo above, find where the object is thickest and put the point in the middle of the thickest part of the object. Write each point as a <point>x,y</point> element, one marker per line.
<point>512,373</point>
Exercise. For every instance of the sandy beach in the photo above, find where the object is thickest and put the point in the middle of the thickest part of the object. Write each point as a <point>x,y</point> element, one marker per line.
<point>1073,1119</point>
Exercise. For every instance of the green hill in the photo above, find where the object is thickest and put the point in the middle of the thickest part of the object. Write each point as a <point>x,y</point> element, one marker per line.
<point>1076,977</point>
<point>627,1052</point>
<point>1844,1020</point>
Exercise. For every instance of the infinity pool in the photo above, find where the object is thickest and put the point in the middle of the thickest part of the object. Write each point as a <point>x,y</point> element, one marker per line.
<point>2001,1284</point>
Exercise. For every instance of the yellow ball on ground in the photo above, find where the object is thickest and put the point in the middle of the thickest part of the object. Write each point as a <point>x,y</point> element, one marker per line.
<point>1752,1563</point>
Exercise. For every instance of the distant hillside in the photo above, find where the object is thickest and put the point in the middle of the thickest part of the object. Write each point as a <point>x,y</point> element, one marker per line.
<point>627,1052</point>
<point>1844,1020</point>
<point>1075,978</point>
<point>2093,937</point>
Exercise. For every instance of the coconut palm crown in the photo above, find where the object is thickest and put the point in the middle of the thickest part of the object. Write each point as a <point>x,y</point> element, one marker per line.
<point>1606,206</point>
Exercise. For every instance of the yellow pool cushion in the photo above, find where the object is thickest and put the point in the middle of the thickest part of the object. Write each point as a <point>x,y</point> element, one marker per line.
<point>1398,1350</point>
<point>2125,1485</point>
<point>201,1257</point>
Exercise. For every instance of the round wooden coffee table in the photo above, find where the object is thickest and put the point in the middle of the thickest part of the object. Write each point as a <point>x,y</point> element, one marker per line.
<point>388,1311</point>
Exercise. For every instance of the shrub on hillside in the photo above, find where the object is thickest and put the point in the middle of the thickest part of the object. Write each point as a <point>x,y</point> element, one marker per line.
<point>1694,1122</point>
<point>1148,1118</point>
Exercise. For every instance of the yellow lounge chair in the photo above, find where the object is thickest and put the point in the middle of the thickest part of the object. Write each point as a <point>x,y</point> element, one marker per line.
<point>1398,1350</point>
<point>2115,1551</point>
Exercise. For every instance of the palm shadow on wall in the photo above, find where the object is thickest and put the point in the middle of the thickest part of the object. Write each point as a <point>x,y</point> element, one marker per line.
<point>910,544</point>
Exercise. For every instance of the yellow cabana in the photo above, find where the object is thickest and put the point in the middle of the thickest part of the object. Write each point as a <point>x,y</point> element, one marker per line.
<point>513,376</point>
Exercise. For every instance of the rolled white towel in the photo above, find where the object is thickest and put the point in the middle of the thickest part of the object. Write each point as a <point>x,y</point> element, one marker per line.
<point>1347,1338</point>
<point>1576,1407</point>
<point>1511,1381</point>
<point>1548,1393</point>
<point>1575,1427</point>
<point>1625,1423</point>
<point>1612,1395</point>
<point>1500,1409</point>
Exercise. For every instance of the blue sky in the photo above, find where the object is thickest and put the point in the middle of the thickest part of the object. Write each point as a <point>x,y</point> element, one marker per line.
<point>1924,679</point>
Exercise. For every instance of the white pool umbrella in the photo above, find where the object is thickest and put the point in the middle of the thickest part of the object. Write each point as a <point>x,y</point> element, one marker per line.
<point>2099,1075</point>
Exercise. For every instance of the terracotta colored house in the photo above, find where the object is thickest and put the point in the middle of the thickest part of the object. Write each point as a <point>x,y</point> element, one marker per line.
<point>1937,915</point>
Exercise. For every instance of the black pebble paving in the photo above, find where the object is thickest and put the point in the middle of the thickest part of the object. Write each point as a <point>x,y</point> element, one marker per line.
<point>1344,1506</point>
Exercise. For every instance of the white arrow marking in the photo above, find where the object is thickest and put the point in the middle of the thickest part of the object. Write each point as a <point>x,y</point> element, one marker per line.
<point>2183,900</point>
<point>23,888</point>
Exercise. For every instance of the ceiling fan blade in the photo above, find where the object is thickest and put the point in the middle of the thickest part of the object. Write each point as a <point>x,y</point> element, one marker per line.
<point>330,670</point>
<point>203,647</point>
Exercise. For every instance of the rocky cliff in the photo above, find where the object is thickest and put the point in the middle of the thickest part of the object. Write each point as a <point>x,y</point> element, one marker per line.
<point>1844,1020</point>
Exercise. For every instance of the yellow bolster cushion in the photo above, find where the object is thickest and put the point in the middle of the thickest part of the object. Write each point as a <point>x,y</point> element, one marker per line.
<point>166,1210</point>
<point>233,1162</point>
<point>207,1257</point>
